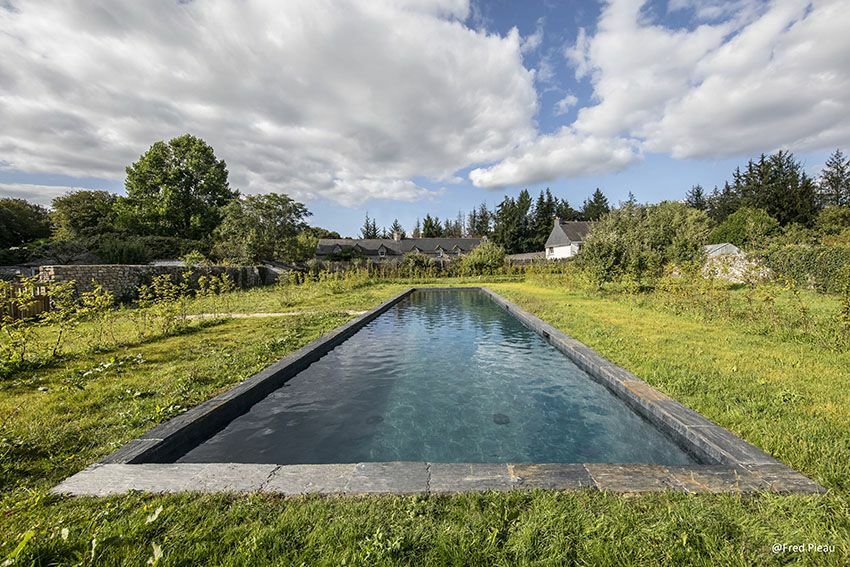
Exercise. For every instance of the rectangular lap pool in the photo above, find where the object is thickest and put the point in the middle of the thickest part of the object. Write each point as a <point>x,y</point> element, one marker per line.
<point>434,391</point>
<point>445,376</point>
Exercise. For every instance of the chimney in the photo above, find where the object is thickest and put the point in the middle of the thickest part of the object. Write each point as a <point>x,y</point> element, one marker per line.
<point>396,236</point>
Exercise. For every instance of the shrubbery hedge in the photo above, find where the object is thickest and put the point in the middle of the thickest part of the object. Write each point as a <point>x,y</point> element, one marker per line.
<point>818,267</point>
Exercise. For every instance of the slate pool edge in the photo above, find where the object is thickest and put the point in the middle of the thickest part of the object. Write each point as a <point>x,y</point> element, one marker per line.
<point>143,463</point>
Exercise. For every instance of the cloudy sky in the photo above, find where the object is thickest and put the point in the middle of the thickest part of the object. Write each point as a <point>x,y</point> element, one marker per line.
<point>396,107</point>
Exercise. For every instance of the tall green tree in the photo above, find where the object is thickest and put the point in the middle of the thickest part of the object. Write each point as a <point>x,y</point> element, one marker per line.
<point>696,198</point>
<point>431,227</point>
<point>545,211</point>
<point>22,222</point>
<point>83,213</point>
<point>396,228</point>
<point>176,188</point>
<point>834,181</point>
<point>596,207</point>
<point>565,212</point>
<point>417,230</point>
<point>261,227</point>
<point>369,228</point>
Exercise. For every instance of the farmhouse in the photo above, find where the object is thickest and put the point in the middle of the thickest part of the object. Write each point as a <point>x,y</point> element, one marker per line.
<point>383,249</point>
<point>566,238</point>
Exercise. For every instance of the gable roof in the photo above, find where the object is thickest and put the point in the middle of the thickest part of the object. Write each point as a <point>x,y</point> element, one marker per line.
<point>371,246</point>
<point>565,233</point>
<point>721,249</point>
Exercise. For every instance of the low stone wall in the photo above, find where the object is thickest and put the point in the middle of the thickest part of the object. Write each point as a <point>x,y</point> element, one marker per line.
<point>124,280</point>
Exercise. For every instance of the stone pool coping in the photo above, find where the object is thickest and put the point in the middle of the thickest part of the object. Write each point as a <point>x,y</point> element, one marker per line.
<point>732,464</point>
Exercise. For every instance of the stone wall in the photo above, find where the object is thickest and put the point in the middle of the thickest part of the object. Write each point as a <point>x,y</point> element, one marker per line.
<point>124,280</point>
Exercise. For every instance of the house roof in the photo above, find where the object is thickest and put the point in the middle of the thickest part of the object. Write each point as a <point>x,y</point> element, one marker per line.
<point>565,233</point>
<point>721,249</point>
<point>371,246</point>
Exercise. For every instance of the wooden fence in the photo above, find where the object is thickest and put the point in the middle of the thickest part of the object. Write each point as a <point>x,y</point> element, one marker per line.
<point>19,301</point>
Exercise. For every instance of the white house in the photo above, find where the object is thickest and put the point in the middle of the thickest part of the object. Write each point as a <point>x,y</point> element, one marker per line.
<point>566,238</point>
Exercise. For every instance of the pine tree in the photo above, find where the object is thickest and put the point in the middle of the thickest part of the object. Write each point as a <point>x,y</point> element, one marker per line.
<point>417,230</point>
<point>396,228</point>
<point>369,229</point>
<point>696,198</point>
<point>565,212</point>
<point>834,181</point>
<point>544,218</point>
<point>431,227</point>
<point>631,201</point>
<point>595,207</point>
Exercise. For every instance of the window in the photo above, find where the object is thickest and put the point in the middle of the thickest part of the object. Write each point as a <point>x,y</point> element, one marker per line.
<point>382,253</point>
<point>439,252</point>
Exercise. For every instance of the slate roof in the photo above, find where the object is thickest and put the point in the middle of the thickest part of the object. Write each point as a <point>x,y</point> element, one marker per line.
<point>721,249</point>
<point>565,233</point>
<point>373,246</point>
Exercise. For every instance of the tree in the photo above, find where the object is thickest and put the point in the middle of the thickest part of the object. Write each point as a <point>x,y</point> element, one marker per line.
<point>565,212</point>
<point>176,188</point>
<point>396,228</point>
<point>369,228</point>
<point>745,227</point>
<point>639,241</point>
<point>833,220</point>
<point>417,230</point>
<point>83,213</point>
<point>485,259</point>
<point>479,221</point>
<point>696,198</point>
<point>595,207</point>
<point>545,210</point>
<point>834,181</point>
<point>431,227</point>
<point>22,222</point>
<point>261,227</point>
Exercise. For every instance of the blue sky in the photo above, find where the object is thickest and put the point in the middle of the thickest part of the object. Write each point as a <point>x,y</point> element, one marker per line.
<point>401,107</point>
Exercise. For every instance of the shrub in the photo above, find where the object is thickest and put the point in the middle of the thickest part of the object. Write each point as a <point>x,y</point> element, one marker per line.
<point>833,220</point>
<point>818,267</point>
<point>746,227</point>
<point>416,264</point>
<point>485,259</point>
<point>639,241</point>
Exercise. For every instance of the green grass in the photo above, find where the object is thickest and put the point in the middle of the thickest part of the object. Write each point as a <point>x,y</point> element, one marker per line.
<point>790,397</point>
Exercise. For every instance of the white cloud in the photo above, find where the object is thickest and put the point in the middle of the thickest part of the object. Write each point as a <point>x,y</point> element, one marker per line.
<point>565,153</point>
<point>316,98</point>
<point>40,194</point>
<point>532,42</point>
<point>566,103</point>
<point>759,79</point>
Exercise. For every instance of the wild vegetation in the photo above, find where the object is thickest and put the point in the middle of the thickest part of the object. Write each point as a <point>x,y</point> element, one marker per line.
<point>751,358</point>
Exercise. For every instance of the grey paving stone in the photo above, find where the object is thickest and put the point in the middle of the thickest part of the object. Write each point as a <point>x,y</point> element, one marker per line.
<point>231,477</point>
<point>715,479</point>
<point>632,478</point>
<point>466,477</point>
<point>106,480</point>
<point>310,479</point>
<point>783,479</point>
<point>736,450</point>
<point>394,477</point>
<point>551,476</point>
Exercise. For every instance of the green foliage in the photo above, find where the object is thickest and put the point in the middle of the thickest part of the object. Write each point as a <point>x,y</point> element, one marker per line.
<point>596,207</point>
<point>833,220</point>
<point>639,241</point>
<point>696,198</point>
<point>416,264</point>
<point>176,188</point>
<point>431,227</point>
<point>83,213</point>
<point>746,227</point>
<point>261,227</point>
<point>22,222</point>
<point>817,267</point>
<point>370,228</point>
<point>834,181</point>
<point>487,258</point>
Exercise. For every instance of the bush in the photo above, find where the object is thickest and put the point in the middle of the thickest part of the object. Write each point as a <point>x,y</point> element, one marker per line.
<point>818,267</point>
<point>485,259</point>
<point>416,264</point>
<point>746,227</point>
<point>639,241</point>
<point>833,220</point>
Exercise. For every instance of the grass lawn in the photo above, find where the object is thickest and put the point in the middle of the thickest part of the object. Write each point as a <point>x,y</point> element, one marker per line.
<point>790,397</point>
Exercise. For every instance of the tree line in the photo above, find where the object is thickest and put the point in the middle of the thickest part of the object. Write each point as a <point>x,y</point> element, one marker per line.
<point>518,224</point>
<point>179,201</point>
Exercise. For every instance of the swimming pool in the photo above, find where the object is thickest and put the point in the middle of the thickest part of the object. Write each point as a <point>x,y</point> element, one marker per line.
<point>444,376</point>
<point>439,391</point>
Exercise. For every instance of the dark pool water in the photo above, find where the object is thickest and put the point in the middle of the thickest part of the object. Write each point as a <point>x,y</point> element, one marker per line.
<point>443,376</point>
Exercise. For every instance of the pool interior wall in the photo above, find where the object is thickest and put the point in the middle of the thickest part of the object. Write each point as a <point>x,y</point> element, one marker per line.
<point>444,376</point>
<point>728,463</point>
